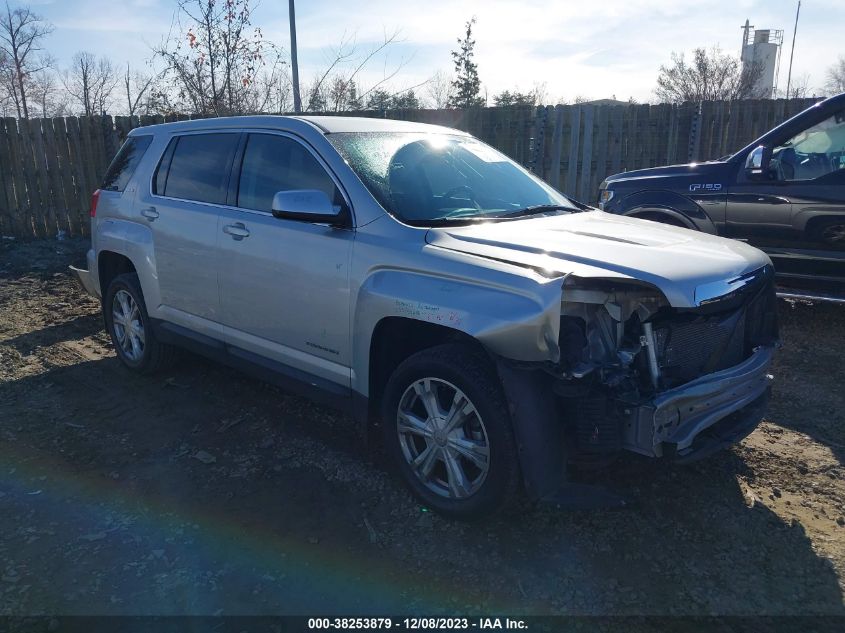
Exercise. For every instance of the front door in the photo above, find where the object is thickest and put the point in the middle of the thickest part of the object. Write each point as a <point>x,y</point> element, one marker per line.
<point>284,284</point>
<point>798,214</point>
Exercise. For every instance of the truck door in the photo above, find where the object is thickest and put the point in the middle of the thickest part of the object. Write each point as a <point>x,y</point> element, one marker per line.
<point>797,212</point>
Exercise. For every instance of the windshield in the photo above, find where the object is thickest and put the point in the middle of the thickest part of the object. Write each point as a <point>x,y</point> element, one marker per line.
<point>425,179</point>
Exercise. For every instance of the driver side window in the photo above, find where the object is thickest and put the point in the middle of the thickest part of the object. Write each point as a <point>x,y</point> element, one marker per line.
<point>277,163</point>
<point>812,153</point>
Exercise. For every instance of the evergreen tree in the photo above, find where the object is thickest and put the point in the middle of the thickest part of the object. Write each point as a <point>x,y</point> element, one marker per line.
<point>379,100</point>
<point>466,85</point>
<point>515,98</point>
<point>405,101</point>
<point>316,101</point>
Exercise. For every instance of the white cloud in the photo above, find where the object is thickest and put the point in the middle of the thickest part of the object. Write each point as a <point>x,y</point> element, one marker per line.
<point>595,49</point>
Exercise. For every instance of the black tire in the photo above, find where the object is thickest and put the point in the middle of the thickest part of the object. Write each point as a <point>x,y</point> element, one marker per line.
<point>155,355</point>
<point>831,232</point>
<point>462,367</point>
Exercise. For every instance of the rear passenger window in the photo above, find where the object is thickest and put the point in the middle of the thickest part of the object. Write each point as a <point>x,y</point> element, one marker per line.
<point>277,163</point>
<point>124,164</point>
<point>199,168</point>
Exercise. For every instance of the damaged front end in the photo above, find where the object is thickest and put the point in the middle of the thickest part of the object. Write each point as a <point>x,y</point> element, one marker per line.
<point>637,374</point>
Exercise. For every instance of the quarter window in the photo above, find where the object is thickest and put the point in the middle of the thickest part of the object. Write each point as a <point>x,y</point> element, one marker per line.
<point>199,169</point>
<point>123,166</point>
<point>277,163</point>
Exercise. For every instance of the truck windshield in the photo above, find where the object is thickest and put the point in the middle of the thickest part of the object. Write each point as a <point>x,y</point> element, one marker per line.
<point>427,179</point>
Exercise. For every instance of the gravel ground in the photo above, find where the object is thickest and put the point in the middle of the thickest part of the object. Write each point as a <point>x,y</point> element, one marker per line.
<point>202,491</point>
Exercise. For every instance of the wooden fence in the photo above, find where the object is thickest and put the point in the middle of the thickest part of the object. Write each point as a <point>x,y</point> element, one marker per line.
<point>49,167</point>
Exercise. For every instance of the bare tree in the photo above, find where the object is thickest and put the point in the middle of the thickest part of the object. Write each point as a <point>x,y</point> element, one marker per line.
<point>21,34</point>
<point>711,76</point>
<point>540,92</point>
<point>90,82</point>
<point>214,56</point>
<point>439,90</point>
<point>799,88</point>
<point>272,90</point>
<point>47,94</point>
<point>137,86</point>
<point>7,102</point>
<point>836,77</point>
<point>338,86</point>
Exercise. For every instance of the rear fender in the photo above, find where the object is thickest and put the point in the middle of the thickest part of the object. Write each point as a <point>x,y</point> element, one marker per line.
<point>134,241</point>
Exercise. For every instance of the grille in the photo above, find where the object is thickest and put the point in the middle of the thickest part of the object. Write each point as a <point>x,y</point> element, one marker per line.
<point>719,335</point>
<point>688,350</point>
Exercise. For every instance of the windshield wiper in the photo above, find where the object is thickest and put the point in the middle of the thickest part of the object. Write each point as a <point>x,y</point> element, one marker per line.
<point>537,208</point>
<point>532,210</point>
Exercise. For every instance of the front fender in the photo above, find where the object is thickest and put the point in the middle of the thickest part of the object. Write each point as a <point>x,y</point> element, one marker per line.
<point>678,207</point>
<point>521,326</point>
<point>134,241</point>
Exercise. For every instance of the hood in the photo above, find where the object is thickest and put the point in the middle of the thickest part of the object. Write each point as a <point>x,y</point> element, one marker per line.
<point>687,266</point>
<point>712,168</point>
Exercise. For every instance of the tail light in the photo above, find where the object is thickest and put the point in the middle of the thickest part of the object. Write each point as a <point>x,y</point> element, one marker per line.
<point>95,198</point>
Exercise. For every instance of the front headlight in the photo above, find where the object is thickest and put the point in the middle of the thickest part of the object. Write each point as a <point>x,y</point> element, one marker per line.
<point>605,196</point>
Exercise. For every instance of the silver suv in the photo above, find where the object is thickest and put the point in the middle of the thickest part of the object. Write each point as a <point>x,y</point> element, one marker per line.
<point>496,331</point>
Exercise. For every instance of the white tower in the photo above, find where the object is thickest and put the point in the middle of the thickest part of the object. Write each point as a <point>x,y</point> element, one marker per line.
<point>762,48</point>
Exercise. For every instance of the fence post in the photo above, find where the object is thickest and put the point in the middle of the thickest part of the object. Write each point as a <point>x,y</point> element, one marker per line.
<point>584,195</point>
<point>694,134</point>
<point>557,148</point>
<point>537,145</point>
<point>574,139</point>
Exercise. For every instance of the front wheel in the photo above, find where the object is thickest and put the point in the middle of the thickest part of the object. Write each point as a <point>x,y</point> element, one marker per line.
<point>448,430</point>
<point>831,232</point>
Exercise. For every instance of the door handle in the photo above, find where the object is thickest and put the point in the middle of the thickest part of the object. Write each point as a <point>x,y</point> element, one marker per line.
<point>150,213</point>
<point>237,230</point>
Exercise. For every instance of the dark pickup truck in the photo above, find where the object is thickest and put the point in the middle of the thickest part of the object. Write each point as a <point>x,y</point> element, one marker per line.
<point>784,193</point>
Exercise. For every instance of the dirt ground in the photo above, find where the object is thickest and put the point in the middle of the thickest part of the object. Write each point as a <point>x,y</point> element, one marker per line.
<point>202,491</point>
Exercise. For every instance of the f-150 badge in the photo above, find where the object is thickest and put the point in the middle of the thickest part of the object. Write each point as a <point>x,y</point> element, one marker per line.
<point>706,187</point>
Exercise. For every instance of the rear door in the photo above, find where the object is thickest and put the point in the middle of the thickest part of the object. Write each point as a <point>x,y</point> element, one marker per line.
<point>182,208</point>
<point>284,284</point>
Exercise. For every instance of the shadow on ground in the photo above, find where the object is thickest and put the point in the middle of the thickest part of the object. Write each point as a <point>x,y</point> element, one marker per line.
<point>203,491</point>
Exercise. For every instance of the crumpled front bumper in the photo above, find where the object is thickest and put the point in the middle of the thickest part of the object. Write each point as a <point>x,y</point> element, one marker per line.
<point>705,414</point>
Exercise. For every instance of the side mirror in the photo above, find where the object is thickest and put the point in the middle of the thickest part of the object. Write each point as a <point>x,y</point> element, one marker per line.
<point>757,163</point>
<point>306,205</point>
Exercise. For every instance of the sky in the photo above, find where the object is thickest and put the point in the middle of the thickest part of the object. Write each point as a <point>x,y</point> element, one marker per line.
<point>593,49</point>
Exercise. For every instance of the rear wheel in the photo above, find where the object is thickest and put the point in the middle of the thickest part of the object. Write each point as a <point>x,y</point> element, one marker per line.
<point>130,328</point>
<point>447,428</point>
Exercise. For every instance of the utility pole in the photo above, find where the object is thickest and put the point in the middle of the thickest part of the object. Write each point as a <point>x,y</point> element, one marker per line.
<point>297,102</point>
<point>792,52</point>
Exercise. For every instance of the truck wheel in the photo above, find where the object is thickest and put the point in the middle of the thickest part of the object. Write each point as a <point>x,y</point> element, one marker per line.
<point>448,430</point>
<point>130,329</point>
<point>830,232</point>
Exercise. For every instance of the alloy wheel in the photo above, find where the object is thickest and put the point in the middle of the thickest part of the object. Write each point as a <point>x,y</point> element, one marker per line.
<point>128,326</point>
<point>443,438</point>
